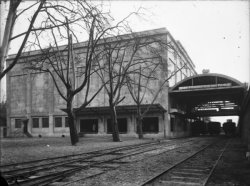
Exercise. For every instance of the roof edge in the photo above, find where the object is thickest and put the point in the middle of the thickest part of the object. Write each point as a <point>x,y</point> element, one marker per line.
<point>210,74</point>
<point>128,36</point>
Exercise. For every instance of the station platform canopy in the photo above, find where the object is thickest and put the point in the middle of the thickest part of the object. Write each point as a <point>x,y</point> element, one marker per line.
<point>209,95</point>
<point>120,109</point>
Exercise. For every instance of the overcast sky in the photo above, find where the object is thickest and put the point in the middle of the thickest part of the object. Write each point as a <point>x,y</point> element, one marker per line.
<point>215,34</point>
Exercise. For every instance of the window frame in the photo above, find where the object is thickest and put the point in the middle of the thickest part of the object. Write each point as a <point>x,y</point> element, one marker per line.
<point>147,131</point>
<point>18,125</point>
<point>108,120</point>
<point>172,123</point>
<point>34,118</point>
<point>55,122</point>
<point>43,124</point>
<point>93,121</point>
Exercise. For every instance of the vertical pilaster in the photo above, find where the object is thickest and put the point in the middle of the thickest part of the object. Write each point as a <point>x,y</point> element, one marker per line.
<point>28,101</point>
<point>131,125</point>
<point>51,105</point>
<point>51,127</point>
<point>51,95</point>
<point>101,129</point>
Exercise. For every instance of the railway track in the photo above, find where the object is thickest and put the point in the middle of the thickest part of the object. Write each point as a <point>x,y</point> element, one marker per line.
<point>194,170</point>
<point>46,171</point>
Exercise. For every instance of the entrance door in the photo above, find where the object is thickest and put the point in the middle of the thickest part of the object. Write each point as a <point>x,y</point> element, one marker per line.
<point>89,126</point>
<point>122,126</point>
<point>150,125</point>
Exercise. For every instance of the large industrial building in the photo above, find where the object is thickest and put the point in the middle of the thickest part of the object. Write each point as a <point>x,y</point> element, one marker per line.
<point>33,96</point>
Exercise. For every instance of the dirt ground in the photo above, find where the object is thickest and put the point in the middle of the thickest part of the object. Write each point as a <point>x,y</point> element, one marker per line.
<point>233,169</point>
<point>14,150</point>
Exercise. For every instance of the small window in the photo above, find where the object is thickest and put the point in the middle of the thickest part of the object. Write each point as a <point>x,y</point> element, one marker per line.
<point>58,121</point>
<point>18,123</point>
<point>66,122</point>
<point>150,125</point>
<point>122,125</point>
<point>45,122</point>
<point>35,122</point>
<point>172,124</point>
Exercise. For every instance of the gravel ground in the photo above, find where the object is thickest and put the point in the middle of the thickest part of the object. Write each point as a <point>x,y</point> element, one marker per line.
<point>14,150</point>
<point>233,169</point>
<point>135,173</point>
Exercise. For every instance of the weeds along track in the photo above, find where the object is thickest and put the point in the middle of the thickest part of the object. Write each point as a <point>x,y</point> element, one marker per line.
<point>194,170</point>
<point>45,171</point>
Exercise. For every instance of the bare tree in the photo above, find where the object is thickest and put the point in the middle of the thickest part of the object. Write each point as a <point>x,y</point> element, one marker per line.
<point>8,31</point>
<point>114,70</point>
<point>51,14</point>
<point>60,61</point>
<point>116,63</point>
<point>145,80</point>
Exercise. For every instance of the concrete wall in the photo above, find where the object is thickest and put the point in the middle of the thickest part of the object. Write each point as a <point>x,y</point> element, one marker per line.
<point>181,127</point>
<point>33,94</point>
<point>245,120</point>
<point>131,126</point>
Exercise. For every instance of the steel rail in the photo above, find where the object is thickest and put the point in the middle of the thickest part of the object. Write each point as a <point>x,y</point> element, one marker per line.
<point>62,173</point>
<point>91,176</point>
<point>44,178</point>
<point>59,163</point>
<point>151,180</point>
<point>11,177</point>
<point>66,156</point>
<point>118,162</point>
<point>215,165</point>
<point>90,152</point>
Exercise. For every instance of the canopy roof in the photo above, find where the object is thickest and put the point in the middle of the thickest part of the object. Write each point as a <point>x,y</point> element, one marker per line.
<point>209,95</point>
<point>120,109</point>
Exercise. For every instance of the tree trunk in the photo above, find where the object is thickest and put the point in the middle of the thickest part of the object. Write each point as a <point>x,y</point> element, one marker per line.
<point>7,34</point>
<point>72,126</point>
<point>139,123</point>
<point>114,124</point>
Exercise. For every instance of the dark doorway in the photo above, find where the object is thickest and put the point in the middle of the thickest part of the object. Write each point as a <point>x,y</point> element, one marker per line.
<point>172,121</point>
<point>150,125</point>
<point>122,125</point>
<point>89,126</point>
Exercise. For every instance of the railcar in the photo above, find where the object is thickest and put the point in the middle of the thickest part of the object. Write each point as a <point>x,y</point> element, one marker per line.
<point>198,128</point>
<point>214,128</point>
<point>203,128</point>
<point>229,128</point>
<point>195,128</point>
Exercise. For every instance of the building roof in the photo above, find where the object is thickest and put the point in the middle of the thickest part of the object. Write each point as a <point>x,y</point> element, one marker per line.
<point>120,109</point>
<point>123,37</point>
<point>206,79</point>
<point>210,94</point>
